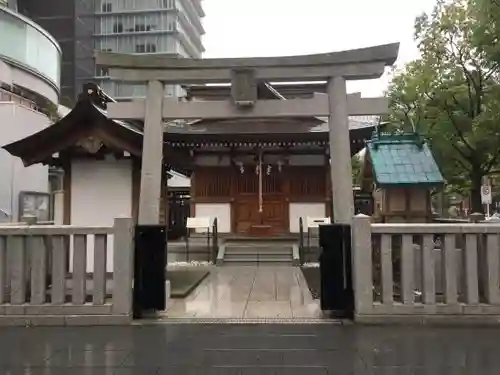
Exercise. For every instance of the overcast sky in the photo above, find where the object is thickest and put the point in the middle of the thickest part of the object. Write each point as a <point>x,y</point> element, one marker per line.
<point>243,28</point>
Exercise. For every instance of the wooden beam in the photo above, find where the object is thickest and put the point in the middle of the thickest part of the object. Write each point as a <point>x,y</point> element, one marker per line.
<point>317,106</point>
<point>366,70</point>
<point>117,142</point>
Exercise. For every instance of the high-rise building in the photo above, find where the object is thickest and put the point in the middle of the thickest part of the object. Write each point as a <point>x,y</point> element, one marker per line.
<point>147,26</point>
<point>30,71</point>
<point>127,26</point>
<point>71,23</point>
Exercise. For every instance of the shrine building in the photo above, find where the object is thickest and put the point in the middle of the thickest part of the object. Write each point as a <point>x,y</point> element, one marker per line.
<point>248,173</point>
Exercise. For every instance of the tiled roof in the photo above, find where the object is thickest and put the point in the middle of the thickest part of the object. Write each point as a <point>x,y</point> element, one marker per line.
<point>402,159</point>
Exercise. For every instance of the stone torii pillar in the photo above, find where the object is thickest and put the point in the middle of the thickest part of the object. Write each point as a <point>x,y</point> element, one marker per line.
<point>152,156</point>
<point>340,153</point>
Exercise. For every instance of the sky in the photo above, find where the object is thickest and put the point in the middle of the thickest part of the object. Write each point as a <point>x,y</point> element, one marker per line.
<point>254,28</point>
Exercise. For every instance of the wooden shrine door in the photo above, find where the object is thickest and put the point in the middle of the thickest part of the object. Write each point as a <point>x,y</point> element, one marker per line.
<point>248,218</point>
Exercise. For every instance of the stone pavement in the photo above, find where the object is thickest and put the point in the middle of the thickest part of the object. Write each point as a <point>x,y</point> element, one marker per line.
<point>249,292</point>
<point>264,349</point>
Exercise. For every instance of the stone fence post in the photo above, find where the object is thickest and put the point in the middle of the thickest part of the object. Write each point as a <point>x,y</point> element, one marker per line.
<point>362,264</point>
<point>123,260</point>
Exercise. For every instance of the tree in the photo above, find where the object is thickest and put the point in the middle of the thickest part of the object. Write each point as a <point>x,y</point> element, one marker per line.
<point>451,95</point>
<point>486,28</point>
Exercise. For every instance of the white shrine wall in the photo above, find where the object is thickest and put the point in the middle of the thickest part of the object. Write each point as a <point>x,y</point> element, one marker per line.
<point>221,211</point>
<point>101,190</point>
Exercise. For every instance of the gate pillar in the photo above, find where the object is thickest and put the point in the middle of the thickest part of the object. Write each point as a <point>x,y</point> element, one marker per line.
<point>340,152</point>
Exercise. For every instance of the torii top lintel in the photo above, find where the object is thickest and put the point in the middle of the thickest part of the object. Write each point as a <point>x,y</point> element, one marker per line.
<point>363,63</point>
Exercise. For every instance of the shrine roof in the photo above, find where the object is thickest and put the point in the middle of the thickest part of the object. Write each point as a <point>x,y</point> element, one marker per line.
<point>89,119</point>
<point>402,160</point>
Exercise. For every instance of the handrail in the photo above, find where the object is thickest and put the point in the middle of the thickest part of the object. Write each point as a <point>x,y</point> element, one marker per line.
<point>301,241</point>
<point>215,241</point>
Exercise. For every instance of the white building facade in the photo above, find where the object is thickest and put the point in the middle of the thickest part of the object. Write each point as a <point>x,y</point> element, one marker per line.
<point>29,87</point>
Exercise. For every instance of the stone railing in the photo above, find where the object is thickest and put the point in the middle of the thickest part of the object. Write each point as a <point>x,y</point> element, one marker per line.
<point>426,272</point>
<point>65,275</point>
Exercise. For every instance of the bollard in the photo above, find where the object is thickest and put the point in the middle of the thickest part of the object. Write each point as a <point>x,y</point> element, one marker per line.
<point>149,268</point>
<point>337,294</point>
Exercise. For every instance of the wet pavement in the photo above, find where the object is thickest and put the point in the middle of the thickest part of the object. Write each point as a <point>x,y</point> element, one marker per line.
<point>249,349</point>
<point>248,292</point>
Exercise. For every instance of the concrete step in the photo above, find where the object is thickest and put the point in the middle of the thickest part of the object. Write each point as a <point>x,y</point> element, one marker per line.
<point>258,252</point>
<point>258,257</point>
<point>239,250</point>
<point>253,256</point>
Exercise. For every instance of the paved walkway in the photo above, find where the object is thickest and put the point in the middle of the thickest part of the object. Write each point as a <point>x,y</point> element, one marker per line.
<point>241,292</point>
<point>224,349</point>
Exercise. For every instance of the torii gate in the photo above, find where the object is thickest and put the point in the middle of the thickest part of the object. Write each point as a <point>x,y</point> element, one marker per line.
<point>244,73</point>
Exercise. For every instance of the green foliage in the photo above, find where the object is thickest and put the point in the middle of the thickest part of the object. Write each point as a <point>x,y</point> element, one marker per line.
<point>51,110</point>
<point>486,28</point>
<point>451,95</point>
<point>357,165</point>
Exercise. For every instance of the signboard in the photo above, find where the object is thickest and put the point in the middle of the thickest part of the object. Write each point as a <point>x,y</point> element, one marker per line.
<point>34,204</point>
<point>486,194</point>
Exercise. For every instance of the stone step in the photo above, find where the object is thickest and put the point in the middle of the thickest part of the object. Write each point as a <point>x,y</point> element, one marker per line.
<point>258,252</point>
<point>257,256</point>
<point>239,250</point>
<point>255,264</point>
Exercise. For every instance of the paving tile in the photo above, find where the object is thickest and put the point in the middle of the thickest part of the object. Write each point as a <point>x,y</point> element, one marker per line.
<point>86,358</point>
<point>16,355</point>
<point>228,289</point>
<point>249,349</point>
<point>299,370</point>
<point>161,357</point>
<point>74,371</point>
<point>199,370</point>
<point>272,309</point>
<point>243,357</point>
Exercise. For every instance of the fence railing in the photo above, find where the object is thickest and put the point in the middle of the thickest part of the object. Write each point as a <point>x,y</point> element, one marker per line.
<point>45,278</point>
<point>421,271</point>
<point>215,241</point>
<point>301,242</point>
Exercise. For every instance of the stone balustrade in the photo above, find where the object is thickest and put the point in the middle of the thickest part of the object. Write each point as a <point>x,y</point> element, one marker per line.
<point>426,272</point>
<point>45,278</point>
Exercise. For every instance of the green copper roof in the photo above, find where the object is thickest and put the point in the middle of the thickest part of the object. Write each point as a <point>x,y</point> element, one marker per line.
<point>403,159</point>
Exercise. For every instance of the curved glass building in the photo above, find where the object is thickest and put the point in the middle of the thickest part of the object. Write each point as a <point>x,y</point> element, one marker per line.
<point>30,71</point>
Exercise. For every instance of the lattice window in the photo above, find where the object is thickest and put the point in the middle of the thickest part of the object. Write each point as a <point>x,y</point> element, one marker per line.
<point>213,182</point>
<point>272,183</point>
<point>247,182</point>
<point>310,181</point>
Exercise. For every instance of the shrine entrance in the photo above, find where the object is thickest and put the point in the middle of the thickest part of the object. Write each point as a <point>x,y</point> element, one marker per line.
<point>260,203</point>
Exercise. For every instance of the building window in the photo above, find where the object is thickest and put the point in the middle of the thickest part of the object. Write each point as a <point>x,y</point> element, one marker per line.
<point>107,7</point>
<point>103,72</point>
<point>118,28</point>
<point>145,48</point>
<point>168,4</point>
<point>140,27</point>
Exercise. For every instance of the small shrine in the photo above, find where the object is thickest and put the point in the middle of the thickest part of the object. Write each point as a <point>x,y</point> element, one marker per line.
<point>401,173</point>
